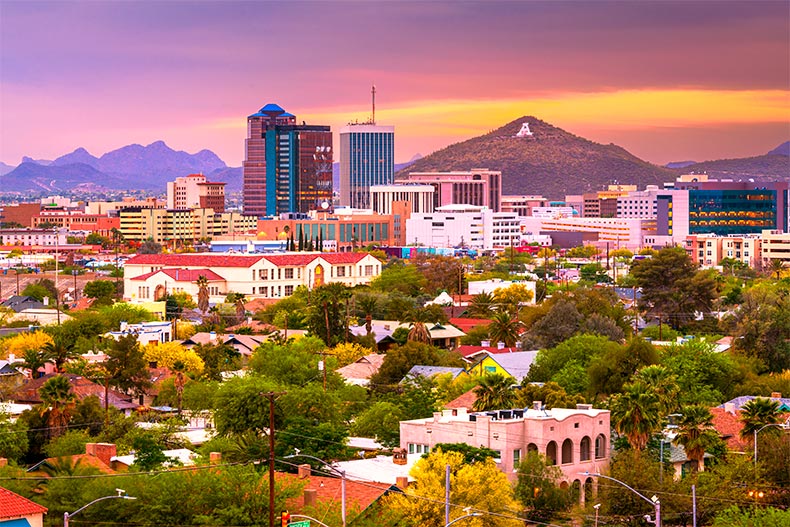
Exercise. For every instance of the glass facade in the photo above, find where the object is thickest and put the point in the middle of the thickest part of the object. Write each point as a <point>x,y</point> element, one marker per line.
<point>725,212</point>
<point>367,158</point>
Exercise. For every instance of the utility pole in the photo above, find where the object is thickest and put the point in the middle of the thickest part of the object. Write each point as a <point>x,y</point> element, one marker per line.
<point>322,364</point>
<point>271,396</point>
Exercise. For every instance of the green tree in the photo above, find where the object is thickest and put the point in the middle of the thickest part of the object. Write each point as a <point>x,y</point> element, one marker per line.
<point>148,453</point>
<point>102,290</point>
<point>58,352</point>
<point>635,414</point>
<point>752,517</point>
<point>34,361</point>
<point>327,315</point>
<point>663,383</point>
<point>126,367</point>
<point>241,408</point>
<point>558,325</point>
<point>400,359</point>
<point>381,421</point>
<point>495,391</point>
<point>761,326</point>
<point>610,371</point>
<point>538,490</point>
<point>57,403</point>
<point>510,299</point>
<point>400,277</point>
<point>13,438</point>
<point>367,304</point>
<point>40,289</point>
<point>217,358</point>
<point>696,433</point>
<point>551,394</point>
<point>673,289</point>
<point>594,273</point>
<point>71,443</point>
<point>441,273</point>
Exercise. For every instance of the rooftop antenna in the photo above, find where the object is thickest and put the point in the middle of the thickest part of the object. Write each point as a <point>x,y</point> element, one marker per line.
<point>373,94</point>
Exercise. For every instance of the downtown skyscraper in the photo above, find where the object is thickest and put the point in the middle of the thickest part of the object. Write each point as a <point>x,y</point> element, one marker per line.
<point>367,157</point>
<point>287,166</point>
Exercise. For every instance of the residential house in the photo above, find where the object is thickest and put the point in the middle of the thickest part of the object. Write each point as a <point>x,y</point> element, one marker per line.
<point>244,344</point>
<point>431,371</point>
<point>147,332</point>
<point>445,336</point>
<point>19,303</point>
<point>360,371</point>
<point>80,386</point>
<point>577,440</point>
<point>739,402</point>
<point>515,364</point>
<point>16,511</point>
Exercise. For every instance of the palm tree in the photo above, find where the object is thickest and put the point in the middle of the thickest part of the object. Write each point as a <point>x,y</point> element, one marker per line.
<point>368,305</point>
<point>776,266</point>
<point>178,381</point>
<point>663,383</point>
<point>757,413</point>
<point>495,391</point>
<point>58,352</point>
<point>57,402</point>
<point>635,413</point>
<point>240,309</point>
<point>417,319</point>
<point>481,305</point>
<point>505,329</point>
<point>33,361</point>
<point>696,433</point>
<point>202,283</point>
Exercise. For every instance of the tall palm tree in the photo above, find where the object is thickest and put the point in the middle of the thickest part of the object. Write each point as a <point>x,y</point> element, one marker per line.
<point>202,283</point>
<point>179,380</point>
<point>663,383</point>
<point>367,304</point>
<point>635,413</point>
<point>418,319</point>
<point>58,352</point>
<point>696,433</point>
<point>57,402</point>
<point>240,309</point>
<point>503,328</point>
<point>495,391</point>
<point>757,413</point>
<point>481,305</point>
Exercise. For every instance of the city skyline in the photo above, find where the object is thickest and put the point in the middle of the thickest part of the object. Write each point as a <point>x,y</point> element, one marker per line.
<point>668,81</point>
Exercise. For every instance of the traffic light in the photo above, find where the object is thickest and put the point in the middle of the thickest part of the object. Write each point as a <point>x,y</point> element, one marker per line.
<point>286,518</point>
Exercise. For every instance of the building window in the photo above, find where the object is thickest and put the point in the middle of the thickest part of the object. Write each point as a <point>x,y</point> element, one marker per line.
<point>516,458</point>
<point>341,271</point>
<point>289,290</point>
<point>368,270</point>
<point>584,449</point>
<point>264,290</point>
<point>289,274</point>
<point>600,446</point>
<point>263,274</point>
<point>551,453</point>
<point>498,456</point>
<point>567,451</point>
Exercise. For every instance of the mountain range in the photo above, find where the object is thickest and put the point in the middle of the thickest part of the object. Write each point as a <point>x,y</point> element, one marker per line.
<point>547,161</point>
<point>552,162</point>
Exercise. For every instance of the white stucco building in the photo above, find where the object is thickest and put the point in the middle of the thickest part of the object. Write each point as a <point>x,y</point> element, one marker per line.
<point>464,225</point>
<point>152,276</point>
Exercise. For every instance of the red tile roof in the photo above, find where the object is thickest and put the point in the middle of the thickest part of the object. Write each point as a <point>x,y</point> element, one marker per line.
<point>13,505</point>
<point>465,324</point>
<point>82,388</point>
<point>359,494</point>
<point>340,258</point>
<point>466,351</point>
<point>184,275</point>
<point>195,260</point>
<point>305,258</point>
<point>466,400</point>
<point>729,427</point>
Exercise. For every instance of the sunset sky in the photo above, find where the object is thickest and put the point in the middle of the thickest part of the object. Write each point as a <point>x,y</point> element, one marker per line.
<point>668,80</point>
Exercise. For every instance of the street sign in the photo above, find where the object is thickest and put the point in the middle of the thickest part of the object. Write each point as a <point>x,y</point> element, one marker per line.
<point>303,523</point>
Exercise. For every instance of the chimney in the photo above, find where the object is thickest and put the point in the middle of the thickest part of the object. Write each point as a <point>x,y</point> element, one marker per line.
<point>500,345</point>
<point>212,336</point>
<point>485,343</point>
<point>304,471</point>
<point>3,462</point>
<point>11,358</point>
<point>537,405</point>
<point>402,482</point>
<point>103,451</point>
<point>729,408</point>
<point>583,406</point>
<point>310,497</point>
<point>776,395</point>
<point>215,458</point>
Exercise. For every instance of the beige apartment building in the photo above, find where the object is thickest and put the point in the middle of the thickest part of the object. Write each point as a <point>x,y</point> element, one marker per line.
<point>165,225</point>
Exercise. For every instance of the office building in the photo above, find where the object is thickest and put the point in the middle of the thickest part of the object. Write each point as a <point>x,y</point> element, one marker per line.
<point>420,197</point>
<point>287,166</point>
<point>522,205</point>
<point>467,226</point>
<point>480,187</point>
<point>367,157</point>
<point>195,192</point>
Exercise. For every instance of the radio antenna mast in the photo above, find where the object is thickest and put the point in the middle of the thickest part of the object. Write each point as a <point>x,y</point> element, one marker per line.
<point>373,94</point>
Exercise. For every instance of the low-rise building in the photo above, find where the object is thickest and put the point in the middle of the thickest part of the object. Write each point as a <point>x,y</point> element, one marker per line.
<point>151,276</point>
<point>577,440</point>
<point>469,226</point>
<point>16,511</point>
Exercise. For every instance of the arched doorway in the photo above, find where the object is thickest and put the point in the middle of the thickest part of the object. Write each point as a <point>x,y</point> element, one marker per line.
<point>160,293</point>
<point>319,276</point>
<point>551,453</point>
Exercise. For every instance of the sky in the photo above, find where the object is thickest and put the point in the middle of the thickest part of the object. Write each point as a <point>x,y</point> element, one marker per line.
<point>667,80</point>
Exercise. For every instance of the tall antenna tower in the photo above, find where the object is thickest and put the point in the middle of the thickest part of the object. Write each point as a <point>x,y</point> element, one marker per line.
<point>373,95</point>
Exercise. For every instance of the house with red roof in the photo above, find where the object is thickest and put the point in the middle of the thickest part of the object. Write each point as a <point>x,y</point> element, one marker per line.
<point>150,277</point>
<point>16,511</point>
<point>80,386</point>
